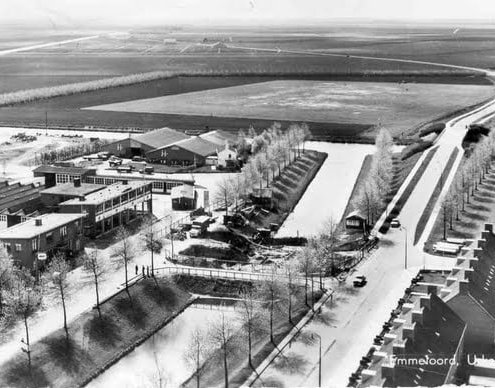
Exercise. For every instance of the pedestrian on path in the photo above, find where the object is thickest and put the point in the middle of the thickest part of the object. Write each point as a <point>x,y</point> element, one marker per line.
<point>147,271</point>
<point>142,269</point>
<point>137,269</point>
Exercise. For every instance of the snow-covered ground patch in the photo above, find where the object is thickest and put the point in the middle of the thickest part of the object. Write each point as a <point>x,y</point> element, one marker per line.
<point>162,355</point>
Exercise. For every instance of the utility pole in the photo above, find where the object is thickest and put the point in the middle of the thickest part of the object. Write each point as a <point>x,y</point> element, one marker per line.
<point>405,247</point>
<point>319,357</point>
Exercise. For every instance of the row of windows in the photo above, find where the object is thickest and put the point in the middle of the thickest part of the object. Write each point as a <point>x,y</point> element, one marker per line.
<point>65,178</point>
<point>124,198</point>
<point>157,185</point>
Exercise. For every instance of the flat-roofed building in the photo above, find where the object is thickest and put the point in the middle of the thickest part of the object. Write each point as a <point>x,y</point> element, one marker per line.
<point>112,206</point>
<point>52,196</point>
<point>55,175</point>
<point>45,234</point>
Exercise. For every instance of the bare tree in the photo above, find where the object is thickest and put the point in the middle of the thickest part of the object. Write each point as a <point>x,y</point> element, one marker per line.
<point>152,241</point>
<point>58,270</point>
<point>124,251</point>
<point>306,264</point>
<point>222,334</point>
<point>223,194</point>
<point>93,264</point>
<point>6,276</point>
<point>251,318</point>
<point>273,291</point>
<point>26,298</point>
<point>197,352</point>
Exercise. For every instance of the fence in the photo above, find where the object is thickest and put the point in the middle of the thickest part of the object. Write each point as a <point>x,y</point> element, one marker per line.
<point>228,274</point>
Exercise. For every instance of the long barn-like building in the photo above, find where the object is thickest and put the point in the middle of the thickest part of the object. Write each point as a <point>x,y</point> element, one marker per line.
<point>140,145</point>
<point>170,147</point>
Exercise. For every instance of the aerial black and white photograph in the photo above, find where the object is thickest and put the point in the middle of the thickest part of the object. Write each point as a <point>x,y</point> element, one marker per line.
<point>248,193</point>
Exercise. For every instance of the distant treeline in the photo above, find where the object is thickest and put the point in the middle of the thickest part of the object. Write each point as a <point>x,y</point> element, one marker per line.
<point>87,147</point>
<point>25,96</point>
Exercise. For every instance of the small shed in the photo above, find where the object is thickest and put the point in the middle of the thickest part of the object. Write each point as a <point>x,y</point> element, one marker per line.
<point>262,196</point>
<point>355,221</point>
<point>183,197</point>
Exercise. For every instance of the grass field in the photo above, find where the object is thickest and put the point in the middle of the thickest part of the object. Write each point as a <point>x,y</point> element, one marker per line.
<point>197,49</point>
<point>393,105</point>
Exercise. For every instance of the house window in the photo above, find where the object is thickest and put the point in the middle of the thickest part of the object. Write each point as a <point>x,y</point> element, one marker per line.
<point>18,247</point>
<point>49,238</point>
<point>3,217</point>
<point>119,147</point>
<point>61,178</point>
<point>63,231</point>
<point>8,247</point>
<point>34,244</point>
<point>157,185</point>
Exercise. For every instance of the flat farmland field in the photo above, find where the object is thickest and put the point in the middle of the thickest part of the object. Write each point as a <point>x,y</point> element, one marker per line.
<point>233,51</point>
<point>397,106</point>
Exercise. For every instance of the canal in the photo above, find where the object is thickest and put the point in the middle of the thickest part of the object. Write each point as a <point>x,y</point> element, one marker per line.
<point>161,357</point>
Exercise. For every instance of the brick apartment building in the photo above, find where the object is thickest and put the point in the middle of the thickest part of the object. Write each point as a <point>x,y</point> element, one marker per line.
<point>48,234</point>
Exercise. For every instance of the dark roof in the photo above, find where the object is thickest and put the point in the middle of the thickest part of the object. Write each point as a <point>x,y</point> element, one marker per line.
<point>439,333</point>
<point>18,193</point>
<point>160,138</point>
<point>198,146</point>
<point>69,189</point>
<point>439,336</point>
<point>48,169</point>
<point>482,280</point>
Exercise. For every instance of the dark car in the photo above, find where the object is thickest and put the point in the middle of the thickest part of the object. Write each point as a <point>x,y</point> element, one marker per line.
<point>138,159</point>
<point>360,281</point>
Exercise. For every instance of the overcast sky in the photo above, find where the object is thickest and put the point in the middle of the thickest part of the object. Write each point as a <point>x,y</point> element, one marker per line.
<point>65,12</point>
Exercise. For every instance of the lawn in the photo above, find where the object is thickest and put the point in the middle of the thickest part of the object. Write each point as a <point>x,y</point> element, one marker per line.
<point>395,106</point>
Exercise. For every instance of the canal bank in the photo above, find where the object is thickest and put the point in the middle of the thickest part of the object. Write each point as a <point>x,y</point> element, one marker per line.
<point>94,344</point>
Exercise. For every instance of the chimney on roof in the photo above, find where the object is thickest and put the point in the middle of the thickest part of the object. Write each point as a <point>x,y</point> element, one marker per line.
<point>77,182</point>
<point>38,222</point>
<point>82,198</point>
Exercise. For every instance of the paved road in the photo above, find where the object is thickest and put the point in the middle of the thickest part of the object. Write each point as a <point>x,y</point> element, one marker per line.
<point>342,55</point>
<point>44,45</point>
<point>349,325</point>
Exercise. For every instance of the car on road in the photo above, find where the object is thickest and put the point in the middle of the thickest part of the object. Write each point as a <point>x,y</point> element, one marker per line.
<point>138,159</point>
<point>359,281</point>
<point>395,223</point>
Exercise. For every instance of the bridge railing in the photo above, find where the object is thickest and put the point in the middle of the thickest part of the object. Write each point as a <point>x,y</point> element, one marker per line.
<point>228,274</point>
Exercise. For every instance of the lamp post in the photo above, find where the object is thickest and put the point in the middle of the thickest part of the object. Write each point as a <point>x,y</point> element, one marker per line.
<point>319,357</point>
<point>405,246</point>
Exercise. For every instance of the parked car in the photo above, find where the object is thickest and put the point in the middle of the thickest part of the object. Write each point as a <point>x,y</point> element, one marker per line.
<point>103,155</point>
<point>138,159</point>
<point>395,223</point>
<point>359,281</point>
<point>147,170</point>
<point>114,161</point>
